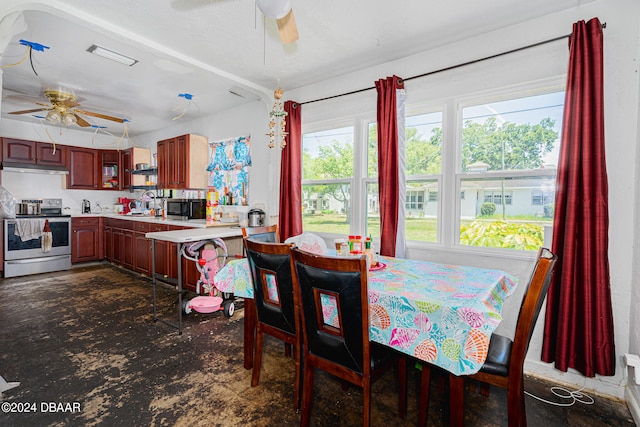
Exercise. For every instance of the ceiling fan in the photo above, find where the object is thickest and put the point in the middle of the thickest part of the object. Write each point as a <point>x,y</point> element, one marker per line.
<point>62,109</point>
<point>281,11</point>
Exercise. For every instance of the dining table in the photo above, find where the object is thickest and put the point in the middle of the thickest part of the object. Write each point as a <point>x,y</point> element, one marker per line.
<point>438,313</point>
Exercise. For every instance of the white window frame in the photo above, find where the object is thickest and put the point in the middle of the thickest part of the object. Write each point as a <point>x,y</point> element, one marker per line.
<point>449,186</point>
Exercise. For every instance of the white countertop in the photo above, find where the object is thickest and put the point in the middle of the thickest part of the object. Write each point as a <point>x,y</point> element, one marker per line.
<point>194,234</point>
<point>195,223</point>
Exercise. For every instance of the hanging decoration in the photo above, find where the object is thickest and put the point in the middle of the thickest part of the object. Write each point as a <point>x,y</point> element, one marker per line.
<point>229,167</point>
<point>277,121</point>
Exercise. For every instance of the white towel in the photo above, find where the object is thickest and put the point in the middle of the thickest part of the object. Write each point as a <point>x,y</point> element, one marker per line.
<point>28,229</point>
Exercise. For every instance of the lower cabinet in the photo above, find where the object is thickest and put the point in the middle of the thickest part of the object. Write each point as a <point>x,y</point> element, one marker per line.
<point>125,244</point>
<point>86,239</point>
<point>142,248</point>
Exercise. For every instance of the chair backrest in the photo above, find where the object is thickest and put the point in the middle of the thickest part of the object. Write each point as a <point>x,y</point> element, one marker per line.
<point>274,298</point>
<point>335,308</point>
<point>309,242</point>
<point>534,295</point>
<point>267,233</point>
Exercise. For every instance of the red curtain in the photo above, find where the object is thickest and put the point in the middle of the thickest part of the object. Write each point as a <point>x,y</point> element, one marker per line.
<point>388,180</point>
<point>578,330</point>
<point>290,214</point>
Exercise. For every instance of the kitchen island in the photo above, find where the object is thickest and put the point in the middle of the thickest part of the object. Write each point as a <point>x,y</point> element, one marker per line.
<point>179,239</point>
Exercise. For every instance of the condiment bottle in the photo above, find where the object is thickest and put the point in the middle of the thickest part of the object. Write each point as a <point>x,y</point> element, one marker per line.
<point>352,239</point>
<point>357,245</point>
<point>369,252</point>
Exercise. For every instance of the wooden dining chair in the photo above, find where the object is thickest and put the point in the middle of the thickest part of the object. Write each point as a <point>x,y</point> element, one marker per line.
<point>340,345</point>
<point>275,303</point>
<point>268,233</point>
<point>504,366</point>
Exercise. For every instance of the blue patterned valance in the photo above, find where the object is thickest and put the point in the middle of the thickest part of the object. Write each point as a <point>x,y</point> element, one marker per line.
<point>230,154</point>
<point>228,166</point>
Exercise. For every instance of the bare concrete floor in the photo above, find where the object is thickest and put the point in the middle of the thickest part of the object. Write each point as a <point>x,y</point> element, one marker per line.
<point>85,348</point>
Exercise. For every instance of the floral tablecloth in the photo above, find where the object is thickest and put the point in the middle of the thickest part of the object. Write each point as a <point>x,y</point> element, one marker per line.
<point>235,277</point>
<point>439,313</point>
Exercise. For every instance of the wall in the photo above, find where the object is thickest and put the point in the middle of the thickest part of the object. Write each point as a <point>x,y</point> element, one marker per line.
<point>32,185</point>
<point>547,63</point>
<point>251,119</point>
<point>632,392</point>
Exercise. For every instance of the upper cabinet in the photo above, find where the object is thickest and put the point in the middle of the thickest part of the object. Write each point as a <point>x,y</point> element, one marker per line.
<point>129,159</point>
<point>33,153</point>
<point>182,162</point>
<point>83,163</point>
<point>109,167</point>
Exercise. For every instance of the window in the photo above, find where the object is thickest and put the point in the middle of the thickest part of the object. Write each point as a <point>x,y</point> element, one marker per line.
<point>415,200</point>
<point>495,196</point>
<point>509,151</point>
<point>423,154</point>
<point>327,171</point>
<point>487,167</point>
<point>542,197</point>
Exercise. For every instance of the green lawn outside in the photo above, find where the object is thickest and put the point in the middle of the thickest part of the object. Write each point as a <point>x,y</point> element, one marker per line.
<point>419,229</point>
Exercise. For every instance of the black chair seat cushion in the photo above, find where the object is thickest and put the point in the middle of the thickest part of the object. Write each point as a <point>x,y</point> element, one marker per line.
<point>499,356</point>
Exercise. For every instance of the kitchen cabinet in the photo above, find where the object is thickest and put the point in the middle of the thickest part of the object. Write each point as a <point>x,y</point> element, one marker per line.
<point>82,163</point>
<point>86,239</point>
<point>182,162</point>
<point>142,248</point>
<point>33,152</point>
<point>129,159</point>
<point>122,243</point>
<point>109,168</point>
<point>108,240</point>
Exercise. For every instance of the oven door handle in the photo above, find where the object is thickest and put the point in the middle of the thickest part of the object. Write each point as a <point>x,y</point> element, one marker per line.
<point>38,259</point>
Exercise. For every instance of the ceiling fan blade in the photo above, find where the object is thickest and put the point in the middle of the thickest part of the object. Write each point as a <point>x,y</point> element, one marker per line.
<point>81,122</point>
<point>100,116</point>
<point>29,111</point>
<point>68,103</point>
<point>288,29</point>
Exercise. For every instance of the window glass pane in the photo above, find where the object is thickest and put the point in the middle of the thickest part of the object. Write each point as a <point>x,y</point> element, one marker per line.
<point>328,154</point>
<point>326,208</point>
<point>512,221</point>
<point>373,210</point>
<point>372,151</point>
<point>422,216</point>
<point>423,144</point>
<point>518,134</point>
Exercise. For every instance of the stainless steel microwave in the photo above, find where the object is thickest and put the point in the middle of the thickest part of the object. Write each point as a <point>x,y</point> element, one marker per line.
<point>186,209</point>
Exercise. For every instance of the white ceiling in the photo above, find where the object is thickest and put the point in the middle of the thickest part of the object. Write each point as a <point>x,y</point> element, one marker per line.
<point>208,48</point>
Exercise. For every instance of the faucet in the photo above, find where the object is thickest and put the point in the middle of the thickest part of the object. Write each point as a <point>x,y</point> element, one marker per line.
<point>151,195</point>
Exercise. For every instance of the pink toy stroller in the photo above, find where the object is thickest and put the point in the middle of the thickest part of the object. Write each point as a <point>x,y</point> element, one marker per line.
<point>209,256</point>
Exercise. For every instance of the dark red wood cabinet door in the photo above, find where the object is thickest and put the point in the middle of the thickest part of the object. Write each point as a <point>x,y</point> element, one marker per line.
<point>50,154</point>
<point>82,163</point>
<point>19,151</point>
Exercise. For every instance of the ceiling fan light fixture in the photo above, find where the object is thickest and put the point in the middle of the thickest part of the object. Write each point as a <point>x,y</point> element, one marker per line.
<point>112,55</point>
<point>53,117</point>
<point>69,119</point>
<point>274,9</point>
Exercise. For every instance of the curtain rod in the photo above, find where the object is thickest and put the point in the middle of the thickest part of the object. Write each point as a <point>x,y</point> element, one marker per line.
<point>452,67</point>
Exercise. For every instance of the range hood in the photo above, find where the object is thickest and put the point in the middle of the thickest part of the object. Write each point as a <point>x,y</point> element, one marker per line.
<point>29,168</point>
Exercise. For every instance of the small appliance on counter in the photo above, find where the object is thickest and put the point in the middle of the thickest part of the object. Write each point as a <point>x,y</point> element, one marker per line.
<point>186,209</point>
<point>256,218</point>
<point>86,206</point>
